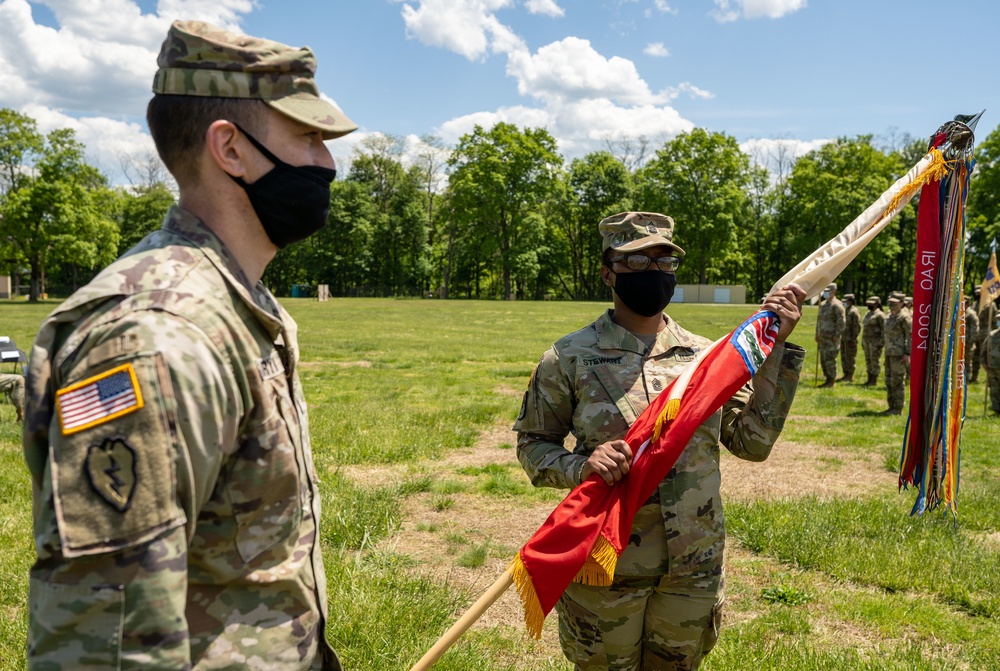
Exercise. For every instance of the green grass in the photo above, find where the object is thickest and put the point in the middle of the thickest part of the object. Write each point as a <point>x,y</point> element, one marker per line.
<point>818,584</point>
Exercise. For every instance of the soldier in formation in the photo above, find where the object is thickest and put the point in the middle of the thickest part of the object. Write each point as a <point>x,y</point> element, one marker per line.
<point>897,355</point>
<point>12,386</point>
<point>665,605</point>
<point>849,341</point>
<point>177,516</point>
<point>872,338</point>
<point>830,325</point>
<point>971,335</point>
<point>991,361</point>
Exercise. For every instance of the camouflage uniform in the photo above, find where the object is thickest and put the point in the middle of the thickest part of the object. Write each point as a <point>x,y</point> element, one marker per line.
<point>991,360</point>
<point>897,345</point>
<point>849,341</point>
<point>176,512</point>
<point>12,386</point>
<point>830,325</point>
<point>980,342</point>
<point>872,341</point>
<point>971,334</point>
<point>665,603</point>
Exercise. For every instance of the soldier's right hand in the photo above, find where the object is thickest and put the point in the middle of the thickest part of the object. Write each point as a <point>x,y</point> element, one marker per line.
<point>609,460</point>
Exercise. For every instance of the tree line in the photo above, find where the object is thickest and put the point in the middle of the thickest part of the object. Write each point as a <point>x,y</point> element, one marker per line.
<point>502,215</point>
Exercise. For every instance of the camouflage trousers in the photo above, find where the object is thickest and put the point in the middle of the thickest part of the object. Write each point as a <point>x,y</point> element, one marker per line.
<point>848,355</point>
<point>829,349</point>
<point>895,381</point>
<point>652,623</point>
<point>973,356</point>
<point>12,386</point>
<point>993,379</point>
<point>873,357</point>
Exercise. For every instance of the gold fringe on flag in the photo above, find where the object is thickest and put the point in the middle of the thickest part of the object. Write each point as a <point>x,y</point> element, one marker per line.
<point>534,618</point>
<point>937,170</point>
<point>599,569</point>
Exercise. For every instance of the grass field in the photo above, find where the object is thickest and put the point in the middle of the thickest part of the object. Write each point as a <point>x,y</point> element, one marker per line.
<point>424,503</point>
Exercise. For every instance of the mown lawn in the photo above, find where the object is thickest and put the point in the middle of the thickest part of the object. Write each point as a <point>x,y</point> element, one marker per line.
<point>399,390</point>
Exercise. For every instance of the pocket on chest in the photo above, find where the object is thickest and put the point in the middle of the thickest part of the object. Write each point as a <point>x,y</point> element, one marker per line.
<point>262,477</point>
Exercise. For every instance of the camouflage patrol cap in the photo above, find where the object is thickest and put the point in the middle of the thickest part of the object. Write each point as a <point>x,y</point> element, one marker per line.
<point>873,299</point>
<point>895,300</point>
<point>832,286</point>
<point>199,59</point>
<point>632,231</point>
<point>849,297</point>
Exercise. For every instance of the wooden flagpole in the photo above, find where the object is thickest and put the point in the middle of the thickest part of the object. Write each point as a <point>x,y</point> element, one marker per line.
<point>475,611</point>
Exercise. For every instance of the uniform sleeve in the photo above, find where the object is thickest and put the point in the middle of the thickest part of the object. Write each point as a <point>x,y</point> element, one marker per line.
<point>841,320</point>
<point>907,325</point>
<point>135,445</point>
<point>545,420</point>
<point>754,417</point>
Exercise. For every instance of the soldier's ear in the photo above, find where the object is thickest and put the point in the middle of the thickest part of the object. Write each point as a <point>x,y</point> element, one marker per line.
<point>606,276</point>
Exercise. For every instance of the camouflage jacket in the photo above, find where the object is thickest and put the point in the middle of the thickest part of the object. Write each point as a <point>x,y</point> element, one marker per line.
<point>984,320</point>
<point>991,351</point>
<point>175,501</point>
<point>971,325</point>
<point>831,320</point>
<point>897,334</point>
<point>872,327</point>
<point>852,323</point>
<point>594,383</point>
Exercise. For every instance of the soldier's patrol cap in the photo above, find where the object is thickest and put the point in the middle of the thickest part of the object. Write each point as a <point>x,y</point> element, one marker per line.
<point>873,299</point>
<point>896,294</point>
<point>199,59</point>
<point>895,299</point>
<point>832,286</point>
<point>632,231</point>
<point>849,297</point>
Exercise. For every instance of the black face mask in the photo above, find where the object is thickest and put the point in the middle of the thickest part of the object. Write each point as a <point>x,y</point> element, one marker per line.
<point>292,202</point>
<point>645,293</point>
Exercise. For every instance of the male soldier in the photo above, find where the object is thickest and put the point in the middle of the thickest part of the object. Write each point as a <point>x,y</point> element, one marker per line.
<point>830,325</point>
<point>985,317</point>
<point>849,341</point>
<point>991,361</point>
<point>897,355</point>
<point>871,338</point>
<point>971,334</point>
<point>176,509</point>
<point>664,607</point>
<point>12,386</point>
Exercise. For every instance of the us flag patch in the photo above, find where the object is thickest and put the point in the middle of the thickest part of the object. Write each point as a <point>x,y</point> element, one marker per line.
<point>98,399</point>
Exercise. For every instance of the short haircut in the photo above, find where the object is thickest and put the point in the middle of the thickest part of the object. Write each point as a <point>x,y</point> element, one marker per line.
<point>178,125</point>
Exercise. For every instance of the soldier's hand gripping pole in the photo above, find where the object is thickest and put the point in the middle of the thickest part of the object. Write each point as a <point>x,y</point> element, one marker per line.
<point>475,611</point>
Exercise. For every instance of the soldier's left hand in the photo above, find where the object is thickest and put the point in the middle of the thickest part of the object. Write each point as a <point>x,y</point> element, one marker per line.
<point>786,302</point>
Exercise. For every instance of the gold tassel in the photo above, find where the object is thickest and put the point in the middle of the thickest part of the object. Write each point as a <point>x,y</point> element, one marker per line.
<point>670,410</point>
<point>937,170</point>
<point>599,569</point>
<point>534,618</point>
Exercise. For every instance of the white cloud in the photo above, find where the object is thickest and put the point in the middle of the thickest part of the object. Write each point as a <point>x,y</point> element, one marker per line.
<point>690,90</point>
<point>548,7</point>
<point>572,70</point>
<point>656,49</point>
<point>665,8</point>
<point>731,10</point>
<point>101,58</point>
<point>467,27</point>
<point>106,140</point>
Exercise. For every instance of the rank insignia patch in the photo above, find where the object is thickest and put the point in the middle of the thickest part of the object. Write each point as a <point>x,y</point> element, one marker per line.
<point>110,468</point>
<point>98,399</point>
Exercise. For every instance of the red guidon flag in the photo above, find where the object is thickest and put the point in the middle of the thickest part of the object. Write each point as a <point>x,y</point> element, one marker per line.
<point>586,533</point>
<point>584,536</point>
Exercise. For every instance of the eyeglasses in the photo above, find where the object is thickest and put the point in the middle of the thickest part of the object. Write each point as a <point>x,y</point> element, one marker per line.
<point>667,264</point>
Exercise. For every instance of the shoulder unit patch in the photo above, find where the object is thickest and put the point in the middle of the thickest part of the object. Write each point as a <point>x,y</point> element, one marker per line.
<point>98,399</point>
<point>111,470</point>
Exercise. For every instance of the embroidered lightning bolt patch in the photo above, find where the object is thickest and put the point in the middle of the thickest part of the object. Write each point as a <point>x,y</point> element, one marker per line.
<point>111,470</point>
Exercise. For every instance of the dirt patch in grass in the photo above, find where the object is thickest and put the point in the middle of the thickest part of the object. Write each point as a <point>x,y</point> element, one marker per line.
<point>494,446</point>
<point>793,470</point>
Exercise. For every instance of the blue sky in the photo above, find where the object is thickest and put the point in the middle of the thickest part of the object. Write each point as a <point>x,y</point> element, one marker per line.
<point>793,73</point>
